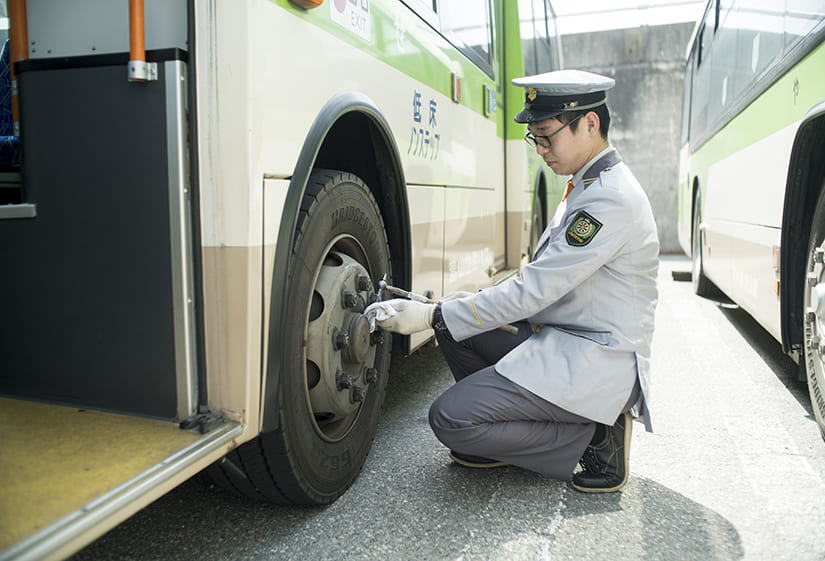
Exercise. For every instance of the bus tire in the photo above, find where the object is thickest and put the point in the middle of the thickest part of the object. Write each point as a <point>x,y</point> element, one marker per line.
<point>813,310</point>
<point>702,285</point>
<point>537,220</point>
<point>333,372</point>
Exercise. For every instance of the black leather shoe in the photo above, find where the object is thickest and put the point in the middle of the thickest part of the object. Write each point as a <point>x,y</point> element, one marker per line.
<point>605,465</point>
<point>469,461</point>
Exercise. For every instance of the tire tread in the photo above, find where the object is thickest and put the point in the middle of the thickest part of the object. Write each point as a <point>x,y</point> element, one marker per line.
<point>265,460</point>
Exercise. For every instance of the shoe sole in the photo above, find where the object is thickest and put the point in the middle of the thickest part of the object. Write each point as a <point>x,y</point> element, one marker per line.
<point>628,430</point>
<point>476,465</point>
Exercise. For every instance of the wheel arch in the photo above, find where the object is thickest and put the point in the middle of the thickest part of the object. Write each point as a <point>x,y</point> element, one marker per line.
<point>538,203</point>
<point>347,124</point>
<point>806,173</point>
<point>540,193</point>
<point>695,191</point>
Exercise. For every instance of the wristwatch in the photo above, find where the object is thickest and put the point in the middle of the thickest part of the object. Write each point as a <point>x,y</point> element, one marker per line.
<point>438,320</point>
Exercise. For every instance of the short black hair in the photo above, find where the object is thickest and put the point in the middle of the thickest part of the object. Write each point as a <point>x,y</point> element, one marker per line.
<point>601,110</point>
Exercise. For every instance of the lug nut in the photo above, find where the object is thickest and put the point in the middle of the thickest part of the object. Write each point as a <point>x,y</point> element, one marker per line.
<point>349,299</point>
<point>357,394</point>
<point>371,375</point>
<point>340,340</point>
<point>376,338</point>
<point>344,381</point>
<point>363,284</point>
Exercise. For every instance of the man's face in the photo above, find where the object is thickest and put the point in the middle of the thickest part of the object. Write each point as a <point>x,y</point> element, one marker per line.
<point>568,150</point>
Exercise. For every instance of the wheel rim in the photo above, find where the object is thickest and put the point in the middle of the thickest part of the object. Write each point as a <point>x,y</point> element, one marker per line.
<point>814,306</point>
<point>339,351</point>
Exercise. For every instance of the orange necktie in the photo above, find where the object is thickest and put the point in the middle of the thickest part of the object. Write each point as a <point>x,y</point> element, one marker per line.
<point>569,188</point>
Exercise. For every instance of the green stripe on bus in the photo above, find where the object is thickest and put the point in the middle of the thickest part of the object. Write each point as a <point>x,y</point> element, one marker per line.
<point>433,70</point>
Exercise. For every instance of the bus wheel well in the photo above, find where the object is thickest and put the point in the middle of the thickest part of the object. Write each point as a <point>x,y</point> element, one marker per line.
<point>541,189</point>
<point>806,176</point>
<point>356,144</point>
<point>702,285</point>
<point>695,192</point>
<point>538,216</point>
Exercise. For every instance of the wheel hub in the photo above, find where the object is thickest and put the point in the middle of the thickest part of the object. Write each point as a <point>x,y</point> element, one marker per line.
<point>340,353</point>
<point>358,335</point>
<point>815,307</point>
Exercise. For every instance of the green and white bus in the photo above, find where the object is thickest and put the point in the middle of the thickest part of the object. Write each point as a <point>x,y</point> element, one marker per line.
<point>752,169</point>
<point>198,198</point>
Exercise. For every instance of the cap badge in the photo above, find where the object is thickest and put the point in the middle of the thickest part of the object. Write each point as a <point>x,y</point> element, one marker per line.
<point>582,230</point>
<point>532,93</point>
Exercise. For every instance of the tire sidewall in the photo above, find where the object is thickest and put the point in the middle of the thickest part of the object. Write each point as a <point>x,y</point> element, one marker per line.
<point>814,366</point>
<point>697,276</point>
<point>344,207</point>
<point>536,224</point>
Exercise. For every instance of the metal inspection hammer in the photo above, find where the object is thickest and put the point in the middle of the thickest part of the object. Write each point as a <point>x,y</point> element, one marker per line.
<point>382,286</point>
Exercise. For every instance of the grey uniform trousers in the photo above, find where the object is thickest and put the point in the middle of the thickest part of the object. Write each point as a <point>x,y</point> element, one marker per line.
<point>485,414</point>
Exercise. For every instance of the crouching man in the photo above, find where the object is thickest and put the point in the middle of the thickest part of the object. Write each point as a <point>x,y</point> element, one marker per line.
<point>563,390</point>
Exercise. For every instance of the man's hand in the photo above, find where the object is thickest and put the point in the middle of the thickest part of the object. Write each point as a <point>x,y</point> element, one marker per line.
<point>410,317</point>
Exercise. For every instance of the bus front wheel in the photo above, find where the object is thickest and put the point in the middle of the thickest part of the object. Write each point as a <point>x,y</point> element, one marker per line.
<point>702,285</point>
<point>333,370</point>
<point>813,309</point>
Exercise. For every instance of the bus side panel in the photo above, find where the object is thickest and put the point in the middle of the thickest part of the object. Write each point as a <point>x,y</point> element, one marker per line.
<point>427,208</point>
<point>742,169</point>
<point>439,140</point>
<point>740,262</point>
<point>468,247</point>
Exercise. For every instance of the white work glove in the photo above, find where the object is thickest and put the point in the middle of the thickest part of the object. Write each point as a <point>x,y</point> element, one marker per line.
<point>410,316</point>
<point>457,295</point>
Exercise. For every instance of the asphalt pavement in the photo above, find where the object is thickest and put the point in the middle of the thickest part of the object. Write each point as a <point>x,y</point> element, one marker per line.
<point>735,470</point>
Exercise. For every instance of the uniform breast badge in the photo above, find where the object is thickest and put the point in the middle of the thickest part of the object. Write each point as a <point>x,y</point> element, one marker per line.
<point>582,229</point>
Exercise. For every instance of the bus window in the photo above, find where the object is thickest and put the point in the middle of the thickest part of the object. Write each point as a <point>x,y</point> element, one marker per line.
<point>686,94</point>
<point>723,66</point>
<point>538,36</point>
<point>760,32</point>
<point>468,26</point>
<point>547,54</point>
<point>801,18</point>
<point>701,82</point>
<point>426,9</point>
<point>529,35</point>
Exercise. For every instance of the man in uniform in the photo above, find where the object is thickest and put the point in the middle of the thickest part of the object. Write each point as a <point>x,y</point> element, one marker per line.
<point>563,389</point>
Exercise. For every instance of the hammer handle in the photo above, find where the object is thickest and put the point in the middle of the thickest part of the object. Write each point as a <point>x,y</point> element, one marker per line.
<point>419,298</point>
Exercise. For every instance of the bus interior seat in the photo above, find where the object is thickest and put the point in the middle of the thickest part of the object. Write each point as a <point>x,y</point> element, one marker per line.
<point>9,143</point>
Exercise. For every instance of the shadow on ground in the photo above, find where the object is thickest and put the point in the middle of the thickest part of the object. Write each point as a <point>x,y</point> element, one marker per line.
<point>411,502</point>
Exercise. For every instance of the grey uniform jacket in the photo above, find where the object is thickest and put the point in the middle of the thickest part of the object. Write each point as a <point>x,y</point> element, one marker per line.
<point>590,294</point>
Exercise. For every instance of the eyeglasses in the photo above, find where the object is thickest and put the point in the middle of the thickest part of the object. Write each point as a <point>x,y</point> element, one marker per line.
<point>544,141</point>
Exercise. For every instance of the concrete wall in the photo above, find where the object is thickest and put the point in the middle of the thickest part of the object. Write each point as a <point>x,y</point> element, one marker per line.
<point>646,105</point>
